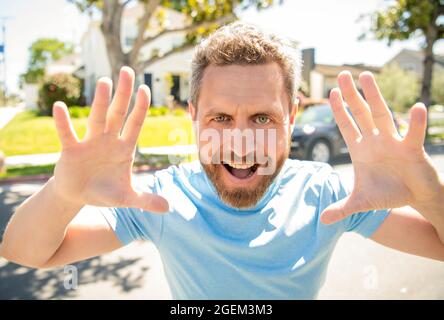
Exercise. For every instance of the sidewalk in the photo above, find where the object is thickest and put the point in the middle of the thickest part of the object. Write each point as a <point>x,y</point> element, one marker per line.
<point>7,113</point>
<point>50,158</point>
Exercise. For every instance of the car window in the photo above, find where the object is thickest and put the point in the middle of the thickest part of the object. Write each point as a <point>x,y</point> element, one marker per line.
<point>316,115</point>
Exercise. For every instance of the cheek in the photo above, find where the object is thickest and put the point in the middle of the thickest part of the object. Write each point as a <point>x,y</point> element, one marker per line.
<point>209,143</point>
<point>276,142</point>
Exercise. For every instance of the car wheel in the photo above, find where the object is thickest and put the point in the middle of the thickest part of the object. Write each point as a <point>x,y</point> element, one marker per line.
<point>320,151</point>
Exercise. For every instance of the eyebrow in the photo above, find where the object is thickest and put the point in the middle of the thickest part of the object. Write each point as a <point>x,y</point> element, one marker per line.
<point>262,111</point>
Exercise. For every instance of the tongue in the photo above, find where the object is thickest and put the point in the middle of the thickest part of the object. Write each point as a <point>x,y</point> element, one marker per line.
<point>240,173</point>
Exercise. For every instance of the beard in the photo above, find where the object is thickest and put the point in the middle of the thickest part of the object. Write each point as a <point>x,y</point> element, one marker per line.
<point>242,197</point>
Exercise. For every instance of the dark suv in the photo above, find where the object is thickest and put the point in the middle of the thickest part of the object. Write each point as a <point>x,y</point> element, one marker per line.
<point>316,136</point>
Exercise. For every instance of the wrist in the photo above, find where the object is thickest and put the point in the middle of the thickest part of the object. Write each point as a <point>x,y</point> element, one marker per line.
<point>63,202</point>
<point>432,209</point>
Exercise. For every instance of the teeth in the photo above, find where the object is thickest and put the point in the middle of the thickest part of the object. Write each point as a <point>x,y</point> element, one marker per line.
<point>241,166</point>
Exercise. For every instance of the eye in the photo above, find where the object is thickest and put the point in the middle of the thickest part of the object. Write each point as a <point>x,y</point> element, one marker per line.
<point>221,118</point>
<point>262,119</point>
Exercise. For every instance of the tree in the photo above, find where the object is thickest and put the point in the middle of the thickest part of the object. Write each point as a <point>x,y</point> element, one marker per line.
<point>42,52</point>
<point>202,16</point>
<point>438,87</point>
<point>399,87</point>
<point>405,19</point>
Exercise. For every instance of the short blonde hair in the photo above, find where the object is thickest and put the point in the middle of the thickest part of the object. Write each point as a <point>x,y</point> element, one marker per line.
<point>245,44</point>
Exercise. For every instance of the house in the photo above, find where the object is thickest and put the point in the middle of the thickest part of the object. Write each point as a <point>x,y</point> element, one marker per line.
<point>159,76</point>
<point>71,64</point>
<point>321,78</point>
<point>412,60</point>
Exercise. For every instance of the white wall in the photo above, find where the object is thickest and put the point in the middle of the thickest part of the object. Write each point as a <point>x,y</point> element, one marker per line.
<point>97,64</point>
<point>31,92</point>
<point>316,85</point>
<point>95,59</point>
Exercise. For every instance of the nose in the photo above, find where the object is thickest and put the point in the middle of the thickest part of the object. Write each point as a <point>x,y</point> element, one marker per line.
<point>239,143</point>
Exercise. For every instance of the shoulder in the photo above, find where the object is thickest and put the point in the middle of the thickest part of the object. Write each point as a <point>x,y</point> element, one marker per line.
<point>307,171</point>
<point>178,172</point>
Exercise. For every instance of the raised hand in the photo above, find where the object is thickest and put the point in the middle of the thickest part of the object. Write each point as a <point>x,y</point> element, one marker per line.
<point>390,171</point>
<point>97,170</point>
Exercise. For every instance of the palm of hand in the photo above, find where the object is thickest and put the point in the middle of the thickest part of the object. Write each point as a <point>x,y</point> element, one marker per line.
<point>390,171</point>
<point>97,170</point>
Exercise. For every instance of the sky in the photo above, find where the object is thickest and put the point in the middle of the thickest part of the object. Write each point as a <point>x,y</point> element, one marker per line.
<point>329,26</point>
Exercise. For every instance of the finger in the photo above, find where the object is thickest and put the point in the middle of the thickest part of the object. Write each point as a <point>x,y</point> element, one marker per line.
<point>358,106</point>
<point>147,201</point>
<point>119,106</point>
<point>97,117</point>
<point>417,126</point>
<point>346,124</point>
<point>340,210</point>
<point>136,119</point>
<point>64,127</point>
<point>382,117</point>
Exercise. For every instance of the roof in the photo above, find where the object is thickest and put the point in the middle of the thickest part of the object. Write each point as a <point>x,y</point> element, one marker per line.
<point>333,70</point>
<point>439,59</point>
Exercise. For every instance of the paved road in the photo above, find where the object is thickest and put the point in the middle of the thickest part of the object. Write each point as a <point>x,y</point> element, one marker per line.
<point>359,269</point>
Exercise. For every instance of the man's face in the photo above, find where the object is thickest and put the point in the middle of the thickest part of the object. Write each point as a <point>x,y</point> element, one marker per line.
<point>243,129</point>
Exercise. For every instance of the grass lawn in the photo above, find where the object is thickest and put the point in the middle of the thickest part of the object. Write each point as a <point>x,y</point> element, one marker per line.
<point>18,171</point>
<point>29,134</point>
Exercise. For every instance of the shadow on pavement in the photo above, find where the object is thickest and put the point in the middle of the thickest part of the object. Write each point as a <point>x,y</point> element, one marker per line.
<point>17,282</point>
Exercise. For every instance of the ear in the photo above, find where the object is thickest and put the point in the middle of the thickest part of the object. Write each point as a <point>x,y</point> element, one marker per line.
<point>294,111</point>
<point>192,110</point>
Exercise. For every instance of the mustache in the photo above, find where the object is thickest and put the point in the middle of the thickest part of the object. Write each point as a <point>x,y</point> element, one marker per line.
<point>231,157</point>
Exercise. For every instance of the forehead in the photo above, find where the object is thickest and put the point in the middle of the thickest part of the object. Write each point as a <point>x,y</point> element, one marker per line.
<point>238,85</point>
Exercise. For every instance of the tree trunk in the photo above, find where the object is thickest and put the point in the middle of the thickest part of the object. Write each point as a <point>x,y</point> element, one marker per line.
<point>431,36</point>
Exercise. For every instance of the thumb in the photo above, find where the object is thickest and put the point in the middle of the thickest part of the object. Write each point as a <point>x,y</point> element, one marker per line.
<point>148,202</point>
<point>340,210</point>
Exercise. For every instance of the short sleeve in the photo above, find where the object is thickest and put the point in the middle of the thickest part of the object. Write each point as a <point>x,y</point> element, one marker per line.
<point>131,224</point>
<point>363,223</point>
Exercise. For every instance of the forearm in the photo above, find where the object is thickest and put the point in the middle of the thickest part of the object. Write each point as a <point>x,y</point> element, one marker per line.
<point>433,210</point>
<point>38,227</point>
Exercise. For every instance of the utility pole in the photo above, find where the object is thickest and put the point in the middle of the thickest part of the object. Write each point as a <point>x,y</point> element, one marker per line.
<point>3,52</point>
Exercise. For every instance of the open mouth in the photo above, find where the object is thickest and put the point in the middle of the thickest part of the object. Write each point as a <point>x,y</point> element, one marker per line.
<point>241,171</point>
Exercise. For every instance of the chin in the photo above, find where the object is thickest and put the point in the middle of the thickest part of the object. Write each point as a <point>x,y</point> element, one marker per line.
<point>240,185</point>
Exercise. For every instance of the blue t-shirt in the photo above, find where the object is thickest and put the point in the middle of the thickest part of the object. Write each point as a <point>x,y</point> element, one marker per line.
<point>277,250</point>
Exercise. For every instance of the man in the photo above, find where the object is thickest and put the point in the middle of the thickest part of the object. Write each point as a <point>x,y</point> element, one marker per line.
<point>244,221</point>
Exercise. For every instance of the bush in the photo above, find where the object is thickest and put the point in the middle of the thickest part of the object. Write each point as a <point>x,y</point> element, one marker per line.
<point>179,112</point>
<point>158,111</point>
<point>61,86</point>
<point>79,111</point>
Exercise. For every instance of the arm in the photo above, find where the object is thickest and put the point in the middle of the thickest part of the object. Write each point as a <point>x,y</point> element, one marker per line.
<point>65,237</point>
<point>406,230</point>
<point>45,230</point>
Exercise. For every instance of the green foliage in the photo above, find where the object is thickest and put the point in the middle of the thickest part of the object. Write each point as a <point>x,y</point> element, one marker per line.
<point>61,86</point>
<point>399,87</point>
<point>42,52</point>
<point>438,87</point>
<point>405,19</point>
